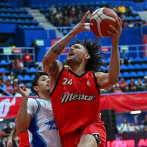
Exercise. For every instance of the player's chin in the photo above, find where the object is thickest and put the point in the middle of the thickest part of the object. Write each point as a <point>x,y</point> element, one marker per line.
<point>48,89</point>
<point>70,58</point>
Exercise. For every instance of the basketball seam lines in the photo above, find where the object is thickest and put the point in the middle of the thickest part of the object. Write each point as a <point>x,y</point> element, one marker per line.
<point>107,11</point>
<point>98,15</point>
<point>100,24</point>
<point>97,27</point>
<point>105,23</point>
<point>110,16</point>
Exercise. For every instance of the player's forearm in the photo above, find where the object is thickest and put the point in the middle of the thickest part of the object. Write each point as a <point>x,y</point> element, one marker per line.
<point>21,121</point>
<point>114,66</point>
<point>57,49</point>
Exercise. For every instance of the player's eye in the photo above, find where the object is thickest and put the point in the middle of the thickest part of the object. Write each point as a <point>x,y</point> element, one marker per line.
<point>77,47</point>
<point>43,79</point>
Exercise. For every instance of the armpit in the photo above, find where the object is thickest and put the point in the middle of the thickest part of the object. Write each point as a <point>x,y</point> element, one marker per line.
<point>53,66</point>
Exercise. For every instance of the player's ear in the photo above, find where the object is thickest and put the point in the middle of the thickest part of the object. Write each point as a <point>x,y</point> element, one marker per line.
<point>87,56</point>
<point>36,88</point>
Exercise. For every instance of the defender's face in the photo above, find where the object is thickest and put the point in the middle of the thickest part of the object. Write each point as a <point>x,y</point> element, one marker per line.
<point>76,53</point>
<point>44,83</point>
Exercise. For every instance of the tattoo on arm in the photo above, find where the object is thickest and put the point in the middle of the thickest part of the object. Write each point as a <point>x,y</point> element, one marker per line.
<point>53,66</point>
<point>57,49</point>
<point>59,46</point>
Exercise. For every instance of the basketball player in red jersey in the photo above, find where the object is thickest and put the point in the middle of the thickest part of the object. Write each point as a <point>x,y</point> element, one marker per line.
<point>75,90</point>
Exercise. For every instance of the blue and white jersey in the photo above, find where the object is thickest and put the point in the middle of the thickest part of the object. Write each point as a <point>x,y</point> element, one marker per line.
<point>43,126</point>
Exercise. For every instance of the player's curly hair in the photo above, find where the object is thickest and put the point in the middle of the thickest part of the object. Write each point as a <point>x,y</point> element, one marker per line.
<point>95,62</point>
<point>35,80</point>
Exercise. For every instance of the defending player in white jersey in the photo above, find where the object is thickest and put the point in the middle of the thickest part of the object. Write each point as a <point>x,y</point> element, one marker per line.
<point>36,115</point>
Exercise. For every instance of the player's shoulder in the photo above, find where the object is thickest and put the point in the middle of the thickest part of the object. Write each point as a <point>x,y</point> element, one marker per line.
<point>32,101</point>
<point>41,100</point>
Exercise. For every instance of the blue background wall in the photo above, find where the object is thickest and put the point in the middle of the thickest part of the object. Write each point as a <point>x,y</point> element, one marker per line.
<point>76,1</point>
<point>19,3</point>
<point>7,28</point>
<point>18,38</point>
<point>31,35</point>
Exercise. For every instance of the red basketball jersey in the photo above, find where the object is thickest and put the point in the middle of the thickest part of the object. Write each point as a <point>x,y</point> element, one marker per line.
<point>75,101</point>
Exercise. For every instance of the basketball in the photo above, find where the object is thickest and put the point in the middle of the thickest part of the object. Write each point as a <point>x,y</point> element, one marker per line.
<point>101,19</point>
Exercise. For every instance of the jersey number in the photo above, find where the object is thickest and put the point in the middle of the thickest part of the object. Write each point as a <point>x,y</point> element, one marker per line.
<point>66,82</point>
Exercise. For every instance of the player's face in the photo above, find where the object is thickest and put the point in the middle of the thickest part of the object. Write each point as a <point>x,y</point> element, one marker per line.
<point>44,83</point>
<point>76,53</point>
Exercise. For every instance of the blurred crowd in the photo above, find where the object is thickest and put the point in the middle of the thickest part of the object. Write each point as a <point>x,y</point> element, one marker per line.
<point>11,84</point>
<point>70,15</point>
<point>123,86</point>
<point>5,136</point>
<point>125,126</point>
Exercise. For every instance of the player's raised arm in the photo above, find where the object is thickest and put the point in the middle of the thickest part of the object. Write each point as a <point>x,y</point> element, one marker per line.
<point>23,118</point>
<point>50,65</point>
<point>106,80</point>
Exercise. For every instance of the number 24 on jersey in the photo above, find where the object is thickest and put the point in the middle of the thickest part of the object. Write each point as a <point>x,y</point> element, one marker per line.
<point>67,82</point>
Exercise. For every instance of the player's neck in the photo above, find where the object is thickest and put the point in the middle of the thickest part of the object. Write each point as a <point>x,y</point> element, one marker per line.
<point>78,70</point>
<point>45,95</point>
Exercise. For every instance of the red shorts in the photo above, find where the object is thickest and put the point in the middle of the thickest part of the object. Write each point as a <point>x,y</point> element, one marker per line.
<point>24,140</point>
<point>73,139</point>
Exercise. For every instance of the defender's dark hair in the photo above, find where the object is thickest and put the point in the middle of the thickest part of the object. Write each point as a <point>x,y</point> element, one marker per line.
<point>95,61</point>
<point>35,80</point>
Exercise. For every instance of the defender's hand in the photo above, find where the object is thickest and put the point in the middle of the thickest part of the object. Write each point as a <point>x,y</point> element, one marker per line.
<point>23,91</point>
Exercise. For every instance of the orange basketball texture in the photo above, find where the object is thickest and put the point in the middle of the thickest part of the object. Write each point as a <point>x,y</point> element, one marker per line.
<point>101,19</point>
